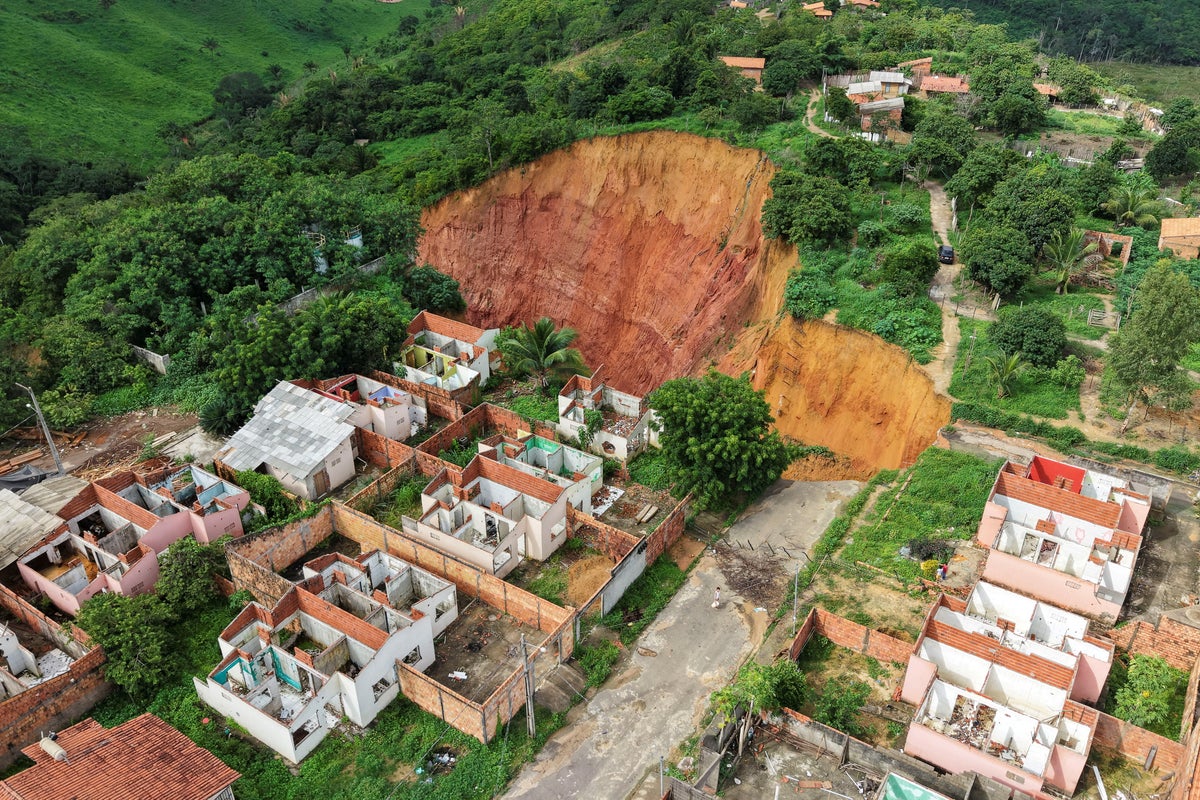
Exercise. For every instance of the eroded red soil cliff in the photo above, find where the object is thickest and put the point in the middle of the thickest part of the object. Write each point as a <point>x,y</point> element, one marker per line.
<point>650,246</point>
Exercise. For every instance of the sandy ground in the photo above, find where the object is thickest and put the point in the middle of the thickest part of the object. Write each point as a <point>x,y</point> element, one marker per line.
<point>810,113</point>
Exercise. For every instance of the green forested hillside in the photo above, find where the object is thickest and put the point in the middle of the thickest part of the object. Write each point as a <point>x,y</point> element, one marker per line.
<point>1157,31</point>
<point>85,80</point>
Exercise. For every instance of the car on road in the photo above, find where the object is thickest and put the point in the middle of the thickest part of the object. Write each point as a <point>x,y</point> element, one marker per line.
<point>946,254</point>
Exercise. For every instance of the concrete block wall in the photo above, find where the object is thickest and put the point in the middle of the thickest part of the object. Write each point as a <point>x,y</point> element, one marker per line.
<point>1174,641</point>
<point>52,705</point>
<point>1135,743</point>
<point>612,542</point>
<point>852,636</point>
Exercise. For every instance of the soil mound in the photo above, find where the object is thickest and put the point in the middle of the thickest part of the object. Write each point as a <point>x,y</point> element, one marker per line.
<point>650,246</point>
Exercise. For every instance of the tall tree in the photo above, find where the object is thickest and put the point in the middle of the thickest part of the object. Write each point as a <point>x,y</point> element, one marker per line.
<point>716,438</point>
<point>543,350</point>
<point>1066,253</point>
<point>1146,353</point>
<point>1134,203</point>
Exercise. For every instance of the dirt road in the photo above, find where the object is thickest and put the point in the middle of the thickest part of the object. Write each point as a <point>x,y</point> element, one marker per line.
<point>810,113</point>
<point>614,740</point>
<point>941,369</point>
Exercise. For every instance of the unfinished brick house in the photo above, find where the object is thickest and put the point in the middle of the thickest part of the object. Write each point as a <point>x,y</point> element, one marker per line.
<point>144,758</point>
<point>329,649</point>
<point>999,681</point>
<point>448,354</point>
<point>625,430</point>
<point>115,528</point>
<point>1063,534</point>
<point>509,503</point>
<point>378,407</point>
<point>49,674</point>
<point>749,66</point>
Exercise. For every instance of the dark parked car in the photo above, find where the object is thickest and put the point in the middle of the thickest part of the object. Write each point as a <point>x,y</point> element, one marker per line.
<point>946,254</point>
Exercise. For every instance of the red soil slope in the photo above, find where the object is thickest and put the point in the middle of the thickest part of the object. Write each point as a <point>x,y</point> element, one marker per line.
<point>650,246</point>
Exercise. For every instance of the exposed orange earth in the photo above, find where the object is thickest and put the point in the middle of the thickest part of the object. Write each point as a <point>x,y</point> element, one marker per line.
<point>650,246</point>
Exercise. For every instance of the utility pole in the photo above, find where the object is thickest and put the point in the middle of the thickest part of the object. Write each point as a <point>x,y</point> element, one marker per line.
<point>45,429</point>
<point>529,719</point>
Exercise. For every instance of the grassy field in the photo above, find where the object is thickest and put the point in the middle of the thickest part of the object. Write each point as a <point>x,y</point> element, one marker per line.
<point>1156,83</point>
<point>84,80</point>
<point>1032,393</point>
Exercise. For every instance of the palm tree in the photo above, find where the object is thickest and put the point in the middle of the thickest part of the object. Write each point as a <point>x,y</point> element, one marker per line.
<point>1004,370</point>
<point>211,45</point>
<point>542,350</point>
<point>1134,204</point>
<point>1066,253</point>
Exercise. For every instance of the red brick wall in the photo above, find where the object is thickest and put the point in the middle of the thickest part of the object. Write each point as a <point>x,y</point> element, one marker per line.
<point>52,705</point>
<point>134,513</point>
<point>612,542</point>
<point>84,500</point>
<point>254,560</point>
<point>445,704</point>
<point>1134,743</point>
<point>438,402</point>
<point>668,531</point>
<point>512,600</point>
<point>852,636</point>
<point>380,450</point>
<point>386,484</point>
<point>1177,643</point>
<point>15,605</point>
<point>1186,786</point>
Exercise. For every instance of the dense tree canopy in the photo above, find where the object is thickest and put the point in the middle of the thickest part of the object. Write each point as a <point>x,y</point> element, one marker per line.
<point>716,438</point>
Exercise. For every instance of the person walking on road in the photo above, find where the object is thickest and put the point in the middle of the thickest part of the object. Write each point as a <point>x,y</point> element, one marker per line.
<point>717,598</point>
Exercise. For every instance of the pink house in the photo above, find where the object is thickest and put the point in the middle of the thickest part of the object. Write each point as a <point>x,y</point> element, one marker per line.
<point>1063,534</point>
<point>115,528</point>
<point>998,681</point>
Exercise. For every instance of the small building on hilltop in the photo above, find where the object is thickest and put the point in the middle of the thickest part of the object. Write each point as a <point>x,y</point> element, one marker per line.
<point>750,67</point>
<point>1180,236</point>
<point>624,419</point>
<point>144,758</point>
<point>448,354</point>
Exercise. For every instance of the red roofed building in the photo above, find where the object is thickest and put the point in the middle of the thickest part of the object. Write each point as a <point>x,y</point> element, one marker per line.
<point>448,354</point>
<point>1181,237</point>
<point>935,84</point>
<point>818,9</point>
<point>145,759</point>
<point>750,67</point>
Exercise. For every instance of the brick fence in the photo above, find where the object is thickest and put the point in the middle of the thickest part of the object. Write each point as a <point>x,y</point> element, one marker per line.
<point>1135,743</point>
<point>668,531</point>
<point>255,560</point>
<point>57,702</point>
<point>612,542</point>
<point>380,451</point>
<point>852,636</point>
<point>1176,642</point>
<point>385,485</point>
<point>438,401</point>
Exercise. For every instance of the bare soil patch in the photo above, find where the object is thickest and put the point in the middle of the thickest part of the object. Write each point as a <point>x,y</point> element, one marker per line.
<point>753,576</point>
<point>684,551</point>
<point>586,576</point>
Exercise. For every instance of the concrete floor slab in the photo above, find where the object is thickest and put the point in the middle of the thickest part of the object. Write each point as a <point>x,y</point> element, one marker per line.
<point>790,517</point>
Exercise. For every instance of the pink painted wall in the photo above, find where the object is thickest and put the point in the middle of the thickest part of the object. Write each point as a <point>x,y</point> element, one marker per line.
<point>954,756</point>
<point>1089,679</point>
<point>993,519</point>
<point>208,529</point>
<point>1064,769</point>
<point>1133,517</point>
<point>58,595</point>
<point>917,679</point>
<point>167,531</point>
<point>1043,583</point>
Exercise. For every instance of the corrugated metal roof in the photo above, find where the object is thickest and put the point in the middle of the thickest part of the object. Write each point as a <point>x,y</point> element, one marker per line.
<point>53,493</point>
<point>21,526</point>
<point>292,429</point>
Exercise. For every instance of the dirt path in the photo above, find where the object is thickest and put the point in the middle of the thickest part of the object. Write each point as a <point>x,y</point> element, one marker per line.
<point>810,113</point>
<point>941,369</point>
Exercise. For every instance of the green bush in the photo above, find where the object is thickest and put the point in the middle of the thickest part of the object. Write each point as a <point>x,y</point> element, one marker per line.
<point>534,407</point>
<point>809,294</point>
<point>872,234</point>
<point>839,703</point>
<point>1152,696</point>
<point>1040,336</point>
<point>122,400</point>
<point>1177,458</point>
<point>597,661</point>
<point>649,469</point>
<point>644,598</point>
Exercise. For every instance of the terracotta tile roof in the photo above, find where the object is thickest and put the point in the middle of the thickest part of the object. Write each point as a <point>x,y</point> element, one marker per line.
<point>991,650</point>
<point>1187,228</point>
<point>938,83</point>
<point>744,63</point>
<point>460,331</point>
<point>1058,500</point>
<point>1047,89</point>
<point>106,764</point>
